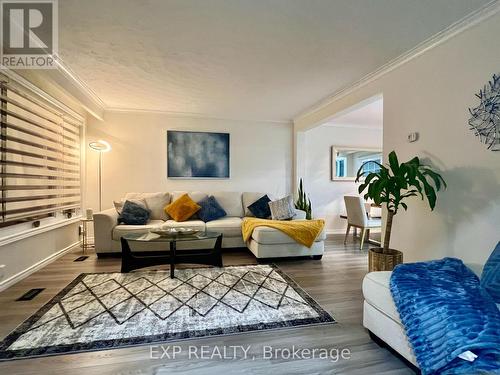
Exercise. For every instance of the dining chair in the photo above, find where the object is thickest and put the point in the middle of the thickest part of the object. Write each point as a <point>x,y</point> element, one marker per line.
<point>357,217</point>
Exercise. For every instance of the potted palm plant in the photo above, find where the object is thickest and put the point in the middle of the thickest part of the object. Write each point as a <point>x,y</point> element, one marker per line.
<point>392,185</point>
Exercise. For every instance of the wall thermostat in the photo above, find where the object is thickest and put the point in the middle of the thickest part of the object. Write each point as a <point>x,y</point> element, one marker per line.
<point>413,137</point>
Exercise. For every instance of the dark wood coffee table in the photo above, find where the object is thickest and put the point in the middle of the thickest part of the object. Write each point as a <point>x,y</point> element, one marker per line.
<point>132,260</point>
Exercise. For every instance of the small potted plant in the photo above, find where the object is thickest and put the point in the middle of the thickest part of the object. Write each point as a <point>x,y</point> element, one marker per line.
<point>392,185</point>
<point>304,202</point>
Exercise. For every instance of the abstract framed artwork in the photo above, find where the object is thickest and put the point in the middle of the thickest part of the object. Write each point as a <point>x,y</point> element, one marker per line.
<point>485,117</point>
<point>192,155</point>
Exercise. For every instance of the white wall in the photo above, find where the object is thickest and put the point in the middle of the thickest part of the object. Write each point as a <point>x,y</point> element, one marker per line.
<point>260,155</point>
<point>431,94</point>
<point>327,196</point>
<point>27,255</point>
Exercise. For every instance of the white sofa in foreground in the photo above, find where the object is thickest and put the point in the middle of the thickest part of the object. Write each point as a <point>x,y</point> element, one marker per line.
<point>381,317</point>
<point>265,242</point>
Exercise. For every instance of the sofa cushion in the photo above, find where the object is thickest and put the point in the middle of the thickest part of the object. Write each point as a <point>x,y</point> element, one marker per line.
<point>490,278</point>
<point>228,226</point>
<point>182,208</point>
<point>122,229</point>
<point>260,208</point>
<point>195,195</point>
<point>133,196</point>
<point>377,293</point>
<point>282,209</point>
<point>230,202</point>
<point>270,236</point>
<point>191,224</point>
<point>248,198</point>
<point>210,209</point>
<point>155,202</point>
<point>119,204</point>
<point>134,214</point>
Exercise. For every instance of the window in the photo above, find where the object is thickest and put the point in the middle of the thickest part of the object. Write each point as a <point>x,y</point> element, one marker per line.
<point>340,167</point>
<point>40,158</point>
<point>371,166</point>
<point>346,162</point>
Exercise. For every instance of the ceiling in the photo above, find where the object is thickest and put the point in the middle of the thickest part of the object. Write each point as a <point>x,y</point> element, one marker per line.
<point>370,116</point>
<point>239,59</point>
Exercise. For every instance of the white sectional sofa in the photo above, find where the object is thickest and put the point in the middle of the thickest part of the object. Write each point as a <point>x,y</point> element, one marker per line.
<point>381,317</point>
<point>265,242</point>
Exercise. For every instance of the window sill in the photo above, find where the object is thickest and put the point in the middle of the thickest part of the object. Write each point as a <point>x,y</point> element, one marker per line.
<point>35,231</point>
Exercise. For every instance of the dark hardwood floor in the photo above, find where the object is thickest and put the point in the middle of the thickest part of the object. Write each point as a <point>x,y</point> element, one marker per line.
<point>334,281</point>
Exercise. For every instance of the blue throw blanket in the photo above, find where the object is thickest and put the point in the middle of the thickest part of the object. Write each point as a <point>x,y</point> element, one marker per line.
<point>446,312</point>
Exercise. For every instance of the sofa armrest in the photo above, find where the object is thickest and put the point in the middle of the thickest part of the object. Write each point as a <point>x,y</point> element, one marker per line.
<point>299,215</point>
<point>104,222</point>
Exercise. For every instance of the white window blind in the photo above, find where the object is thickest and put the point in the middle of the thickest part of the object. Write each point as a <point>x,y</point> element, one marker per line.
<point>40,157</point>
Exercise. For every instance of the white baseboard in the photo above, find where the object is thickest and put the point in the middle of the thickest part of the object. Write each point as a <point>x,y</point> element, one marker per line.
<point>35,267</point>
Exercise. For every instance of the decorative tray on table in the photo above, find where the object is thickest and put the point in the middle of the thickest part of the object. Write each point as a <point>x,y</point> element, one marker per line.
<point>171,232</point>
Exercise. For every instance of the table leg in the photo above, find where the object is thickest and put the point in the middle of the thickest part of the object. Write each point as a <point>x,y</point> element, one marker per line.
<point>218,252</point>
<point>172,258</point>
<point>84,237</point>
<point>126,256</point>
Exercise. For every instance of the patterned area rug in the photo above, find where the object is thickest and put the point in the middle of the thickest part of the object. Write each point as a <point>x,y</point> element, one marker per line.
<point>111,310</point>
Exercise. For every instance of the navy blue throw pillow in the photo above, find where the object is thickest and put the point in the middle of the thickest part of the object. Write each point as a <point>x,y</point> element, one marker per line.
<point>260,208</point>
<point>133,214</point>
<point>210,209</point>
<point>490,278</point>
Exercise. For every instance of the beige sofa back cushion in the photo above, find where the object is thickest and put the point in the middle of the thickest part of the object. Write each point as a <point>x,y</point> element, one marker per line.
<point>155,202</point>
<point>234,203</point>
<point>230,202</point>
<point>195,195</point>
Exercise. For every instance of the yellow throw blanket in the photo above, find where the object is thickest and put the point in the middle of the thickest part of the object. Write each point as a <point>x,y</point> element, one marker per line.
<point>304,232</point>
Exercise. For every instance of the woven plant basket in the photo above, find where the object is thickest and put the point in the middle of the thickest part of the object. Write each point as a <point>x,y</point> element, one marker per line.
<point>377,261</point>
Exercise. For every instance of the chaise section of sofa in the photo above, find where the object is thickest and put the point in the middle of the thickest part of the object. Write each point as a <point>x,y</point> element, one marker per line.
<point>271,243</point>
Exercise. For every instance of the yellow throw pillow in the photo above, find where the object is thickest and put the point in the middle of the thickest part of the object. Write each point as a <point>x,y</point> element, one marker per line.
<point>182,208</point>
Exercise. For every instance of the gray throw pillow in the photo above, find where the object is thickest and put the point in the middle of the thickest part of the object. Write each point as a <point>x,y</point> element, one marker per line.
<point>119,204</point>
<point>134,214</point>
<point>282,209</point>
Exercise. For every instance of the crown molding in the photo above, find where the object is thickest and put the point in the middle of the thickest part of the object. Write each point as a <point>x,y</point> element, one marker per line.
<point>437,39</point>
<point>353,126</point>
<point>63,76</point>
<point>191,115</point>
<point>42,94</point>
<point>78,82</point>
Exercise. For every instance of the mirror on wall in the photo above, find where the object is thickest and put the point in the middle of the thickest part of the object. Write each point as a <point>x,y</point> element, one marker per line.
<point>345,162</point>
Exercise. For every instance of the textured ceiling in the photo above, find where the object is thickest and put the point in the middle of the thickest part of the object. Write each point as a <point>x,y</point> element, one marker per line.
<point>241,59</point>
<point>368,116</point>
